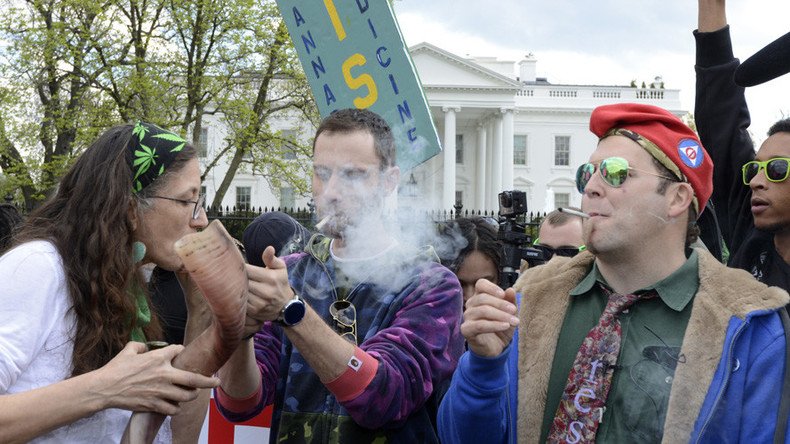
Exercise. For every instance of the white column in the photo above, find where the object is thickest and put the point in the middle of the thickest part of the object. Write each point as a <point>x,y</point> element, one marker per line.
<point>432,179</point>
<point>480,180</point>
<point>496,170</point>
<point>507,148</point>
<point>448,188</point>
<point>491,198</point>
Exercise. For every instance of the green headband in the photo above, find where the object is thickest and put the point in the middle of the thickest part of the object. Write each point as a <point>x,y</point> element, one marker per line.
<point>150,151</point>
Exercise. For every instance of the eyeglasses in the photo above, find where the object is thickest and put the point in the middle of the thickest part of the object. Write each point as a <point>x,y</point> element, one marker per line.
<point>614,171</point>
<point>549,252</point>
<point>198,203</point>
<point>345,315</point>
<point>776,169</point>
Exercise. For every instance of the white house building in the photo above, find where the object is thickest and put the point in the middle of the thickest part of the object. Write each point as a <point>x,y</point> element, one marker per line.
<point>501,127</point>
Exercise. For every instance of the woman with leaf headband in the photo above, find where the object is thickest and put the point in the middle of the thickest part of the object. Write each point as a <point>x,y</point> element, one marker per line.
<point>73,297</point>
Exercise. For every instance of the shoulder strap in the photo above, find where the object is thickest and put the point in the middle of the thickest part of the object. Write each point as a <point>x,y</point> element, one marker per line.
<point>784,403</point>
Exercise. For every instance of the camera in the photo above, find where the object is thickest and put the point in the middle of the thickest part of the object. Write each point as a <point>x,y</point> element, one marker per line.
<point>515,240</point>
<point>512,204</point>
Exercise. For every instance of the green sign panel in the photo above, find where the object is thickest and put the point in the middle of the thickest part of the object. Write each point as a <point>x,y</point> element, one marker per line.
<point>354,57</point>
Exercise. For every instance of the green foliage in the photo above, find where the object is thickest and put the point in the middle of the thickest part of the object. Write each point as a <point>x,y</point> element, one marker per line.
<point>76,67</point>
<point>689,120</point>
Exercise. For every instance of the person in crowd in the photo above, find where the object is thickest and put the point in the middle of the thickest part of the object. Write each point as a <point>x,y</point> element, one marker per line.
<point>74,318</point>
<point>359,331</point>
<point>751,192</point>
<point>560,234</point>
<point>284,233</point>
<point>9,220</point>
<point>470,249</point>
<point>274,228</point>
<point>640,338</point>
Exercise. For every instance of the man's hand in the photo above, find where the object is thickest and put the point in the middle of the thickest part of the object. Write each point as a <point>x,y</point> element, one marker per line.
<point>269,290</point>
<point>490,319</point>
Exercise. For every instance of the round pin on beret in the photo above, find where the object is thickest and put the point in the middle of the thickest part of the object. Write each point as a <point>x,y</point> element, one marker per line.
<point>691,153</point>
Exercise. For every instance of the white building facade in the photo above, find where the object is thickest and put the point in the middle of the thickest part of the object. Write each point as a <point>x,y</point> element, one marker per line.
<point>501,127</point>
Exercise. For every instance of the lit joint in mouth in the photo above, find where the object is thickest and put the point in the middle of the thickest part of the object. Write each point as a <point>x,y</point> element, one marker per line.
<point>322,222</point>
<point>573,212</point>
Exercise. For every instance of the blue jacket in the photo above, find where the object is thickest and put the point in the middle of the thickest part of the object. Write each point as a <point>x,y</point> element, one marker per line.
<point>725,393</point>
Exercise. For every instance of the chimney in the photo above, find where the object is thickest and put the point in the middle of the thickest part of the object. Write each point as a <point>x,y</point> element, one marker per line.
<point>527,68</point>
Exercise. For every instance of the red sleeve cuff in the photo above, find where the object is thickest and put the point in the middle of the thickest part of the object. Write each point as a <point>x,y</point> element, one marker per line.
<point>239,405</point>
<point>361,370</point>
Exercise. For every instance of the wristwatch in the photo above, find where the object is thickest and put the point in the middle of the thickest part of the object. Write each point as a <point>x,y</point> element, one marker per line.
<point>293,312</point>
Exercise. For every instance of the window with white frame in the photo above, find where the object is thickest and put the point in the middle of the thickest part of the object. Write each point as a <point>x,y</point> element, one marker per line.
<point>520,149</point>
<point>243,198</point>
<point>289,150</point>
<point>562,150</point>
<point>202,145</point>
<point>459,197</point>
<point>287,198</point>
<point>459,148</point>
<point>562,200</point>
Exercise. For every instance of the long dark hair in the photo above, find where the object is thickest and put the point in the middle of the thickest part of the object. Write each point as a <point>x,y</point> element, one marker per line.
<point>9,221</point>
<point>88,222</point>
<point>475,234</point>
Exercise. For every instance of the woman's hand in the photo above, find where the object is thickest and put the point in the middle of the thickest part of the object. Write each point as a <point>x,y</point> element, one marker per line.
<point>139,380</point>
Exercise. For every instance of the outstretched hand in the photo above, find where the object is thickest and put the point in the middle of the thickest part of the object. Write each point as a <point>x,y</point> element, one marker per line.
<point>490,319</point>
<point>139,380</point>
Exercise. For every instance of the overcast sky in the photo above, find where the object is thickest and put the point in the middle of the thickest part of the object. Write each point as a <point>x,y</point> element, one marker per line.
<point>604,42</point>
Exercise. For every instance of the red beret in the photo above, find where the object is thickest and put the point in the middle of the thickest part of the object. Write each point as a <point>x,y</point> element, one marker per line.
<point>679,145</point>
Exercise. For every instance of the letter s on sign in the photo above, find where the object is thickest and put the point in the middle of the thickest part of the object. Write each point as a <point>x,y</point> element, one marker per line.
<point>359,82</point>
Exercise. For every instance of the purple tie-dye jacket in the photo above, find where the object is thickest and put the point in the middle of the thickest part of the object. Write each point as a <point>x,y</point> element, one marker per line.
<point>410,324</point>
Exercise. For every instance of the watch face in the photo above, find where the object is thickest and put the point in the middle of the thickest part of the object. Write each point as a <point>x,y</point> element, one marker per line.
<point>293,312</point>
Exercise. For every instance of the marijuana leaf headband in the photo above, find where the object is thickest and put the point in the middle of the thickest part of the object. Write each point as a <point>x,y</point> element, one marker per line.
<point>150,151</point>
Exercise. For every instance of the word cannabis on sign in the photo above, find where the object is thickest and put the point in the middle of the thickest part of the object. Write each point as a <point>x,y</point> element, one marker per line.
<point>354,57</point>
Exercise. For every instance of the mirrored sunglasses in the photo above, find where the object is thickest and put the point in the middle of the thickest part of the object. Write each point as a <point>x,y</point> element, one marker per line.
<point>613,170</point>
<point>776,169</point>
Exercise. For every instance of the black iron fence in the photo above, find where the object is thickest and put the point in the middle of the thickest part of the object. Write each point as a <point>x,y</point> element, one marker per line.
<point>236,220</point>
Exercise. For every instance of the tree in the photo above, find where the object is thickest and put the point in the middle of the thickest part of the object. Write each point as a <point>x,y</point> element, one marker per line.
<point>73,68</point>
<point>48,107</point>
<point>278,85</point>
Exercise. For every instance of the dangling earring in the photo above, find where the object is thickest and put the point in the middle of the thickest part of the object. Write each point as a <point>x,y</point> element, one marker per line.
<point>138,251</point>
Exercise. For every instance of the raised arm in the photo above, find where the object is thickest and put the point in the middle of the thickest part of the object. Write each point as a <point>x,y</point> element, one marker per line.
<point>722,120</point>
<point>712,15</point>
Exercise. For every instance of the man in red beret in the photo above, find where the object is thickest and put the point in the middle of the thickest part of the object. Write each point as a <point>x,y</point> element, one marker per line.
<point>641,338</point>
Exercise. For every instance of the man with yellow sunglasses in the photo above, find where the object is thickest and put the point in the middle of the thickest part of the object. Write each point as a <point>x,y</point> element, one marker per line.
<point>752,193</point>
